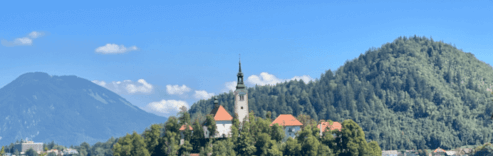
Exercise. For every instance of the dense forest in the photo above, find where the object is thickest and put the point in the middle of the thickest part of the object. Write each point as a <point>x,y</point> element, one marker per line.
<point>413,93</point>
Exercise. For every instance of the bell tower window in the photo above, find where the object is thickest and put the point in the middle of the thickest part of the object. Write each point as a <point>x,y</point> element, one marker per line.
<point>242,98</point>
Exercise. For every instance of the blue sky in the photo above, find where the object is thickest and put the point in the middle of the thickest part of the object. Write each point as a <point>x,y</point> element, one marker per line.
<point>183,51</point>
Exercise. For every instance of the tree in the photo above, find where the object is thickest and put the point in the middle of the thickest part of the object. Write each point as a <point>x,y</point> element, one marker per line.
<point>185,149</point>
<point>171,143</point>
<point>151,138</point>
<point>353,139</point>
<point>84,147</point>
<point>139,147</point>
<point>262,144</point>
<point>373,145</point>
<point>198,140</point>
<point>291,147</point>
<point>277,133</point>
<point>2,151</point>
<point>211,125</point>
<point>245,145</point>
<point>31,152</point>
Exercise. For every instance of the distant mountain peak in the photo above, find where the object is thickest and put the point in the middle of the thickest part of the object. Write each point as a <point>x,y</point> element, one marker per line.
<point>66,109</point>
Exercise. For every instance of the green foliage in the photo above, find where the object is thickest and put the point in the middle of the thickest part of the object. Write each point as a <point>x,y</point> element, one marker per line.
<point>353,140</point>
<point>485,149</point>
<point>375,149</point>
<point>211,125</point>
<point>223,148</point>
<point>130,145</point>
<point>277,132</point>
<point>151,138</point>
<point>291,147</point>
<point>31,152</point>
<point>411,93</point>
<point>245,144</point>
<point>185,149</point>
<point>2,151</point>
<point>198,139</point>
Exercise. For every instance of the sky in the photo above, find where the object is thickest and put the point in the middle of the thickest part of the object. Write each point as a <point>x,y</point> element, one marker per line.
<point>161,55</point>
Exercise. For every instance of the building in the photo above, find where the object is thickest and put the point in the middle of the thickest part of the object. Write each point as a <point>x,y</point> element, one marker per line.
<point>241,98</point>
<point>451,153</point>
<point>23,147</point>
<point>326,126</point>
<point>290,123</point>
<point>439,152</point>
<point>70,151</point>
<point>390,153</point>
<point>182,136</point>
<point>223,119</point>
<point>54,151</point>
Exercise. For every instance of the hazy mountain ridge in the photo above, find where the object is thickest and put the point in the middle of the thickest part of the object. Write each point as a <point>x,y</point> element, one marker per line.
<point>411,93</point>
<point>66,109</point>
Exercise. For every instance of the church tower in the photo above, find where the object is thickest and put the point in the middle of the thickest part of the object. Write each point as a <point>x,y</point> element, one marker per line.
<point>241,98</point>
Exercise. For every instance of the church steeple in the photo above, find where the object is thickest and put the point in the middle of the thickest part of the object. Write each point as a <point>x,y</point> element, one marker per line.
<point>216,103</point>
<point>240,84</point>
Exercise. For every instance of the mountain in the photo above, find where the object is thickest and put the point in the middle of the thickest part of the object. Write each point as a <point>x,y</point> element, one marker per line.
<point>66,109</point>
<point>413,93</point>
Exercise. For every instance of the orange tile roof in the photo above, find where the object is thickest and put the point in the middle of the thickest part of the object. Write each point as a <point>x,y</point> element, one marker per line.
<point>194,154</point>
<point>286,120</point>
<point>222,114</point>
<point>182,128</point>
<point>439,150</point>
<point>335,125</point>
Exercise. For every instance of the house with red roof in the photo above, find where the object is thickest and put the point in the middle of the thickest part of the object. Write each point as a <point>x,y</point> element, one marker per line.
<point>290,124</point>
<point>223,119</point>
<point>329,126</point>
<point>182,129</point>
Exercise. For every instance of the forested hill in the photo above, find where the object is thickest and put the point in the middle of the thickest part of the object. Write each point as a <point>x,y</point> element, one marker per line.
<point>411,93</point>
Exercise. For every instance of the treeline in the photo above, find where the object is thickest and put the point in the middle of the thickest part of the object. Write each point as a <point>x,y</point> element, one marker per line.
<point>256,137</point>
<point>413,93</point>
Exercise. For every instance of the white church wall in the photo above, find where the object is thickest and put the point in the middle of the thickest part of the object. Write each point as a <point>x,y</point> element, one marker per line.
<point>241,107</point>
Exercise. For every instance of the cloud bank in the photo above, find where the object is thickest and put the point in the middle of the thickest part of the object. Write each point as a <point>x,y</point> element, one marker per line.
<point>127,86</point>
<point>202,94</point>
<point>177,90</point>
<point>165,107</point>
<point>23,41</point>
<point>114,49</point>
<point>268,79</point>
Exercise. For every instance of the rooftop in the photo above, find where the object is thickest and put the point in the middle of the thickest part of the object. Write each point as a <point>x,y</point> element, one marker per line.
<point>286,120</point>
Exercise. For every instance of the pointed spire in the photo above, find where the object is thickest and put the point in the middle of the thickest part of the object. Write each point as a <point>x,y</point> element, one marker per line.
<point>240,63</point>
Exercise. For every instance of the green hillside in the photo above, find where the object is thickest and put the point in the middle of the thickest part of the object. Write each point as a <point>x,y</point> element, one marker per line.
<point>411,93</point>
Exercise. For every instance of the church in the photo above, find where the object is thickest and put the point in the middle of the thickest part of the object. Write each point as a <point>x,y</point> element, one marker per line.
<point>223,119</point>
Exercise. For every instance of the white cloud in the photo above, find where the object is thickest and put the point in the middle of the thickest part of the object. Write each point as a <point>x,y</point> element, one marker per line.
<point>202,94</point>
<point>127,86</point>
<point>165,107</point>
<point>176,89</point>
<point>114,49</point>
<point>229,86</point>
<point>269,79</point>
<point>35,34</point>
<point>23,41</point>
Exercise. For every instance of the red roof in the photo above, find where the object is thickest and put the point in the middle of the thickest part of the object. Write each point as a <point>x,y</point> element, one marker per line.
<point>182,128</point>
<point>439,150</point>
<point>286,120</point>
<point>335,125</point>
<point>194,154</point>
<point>222,114</point>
